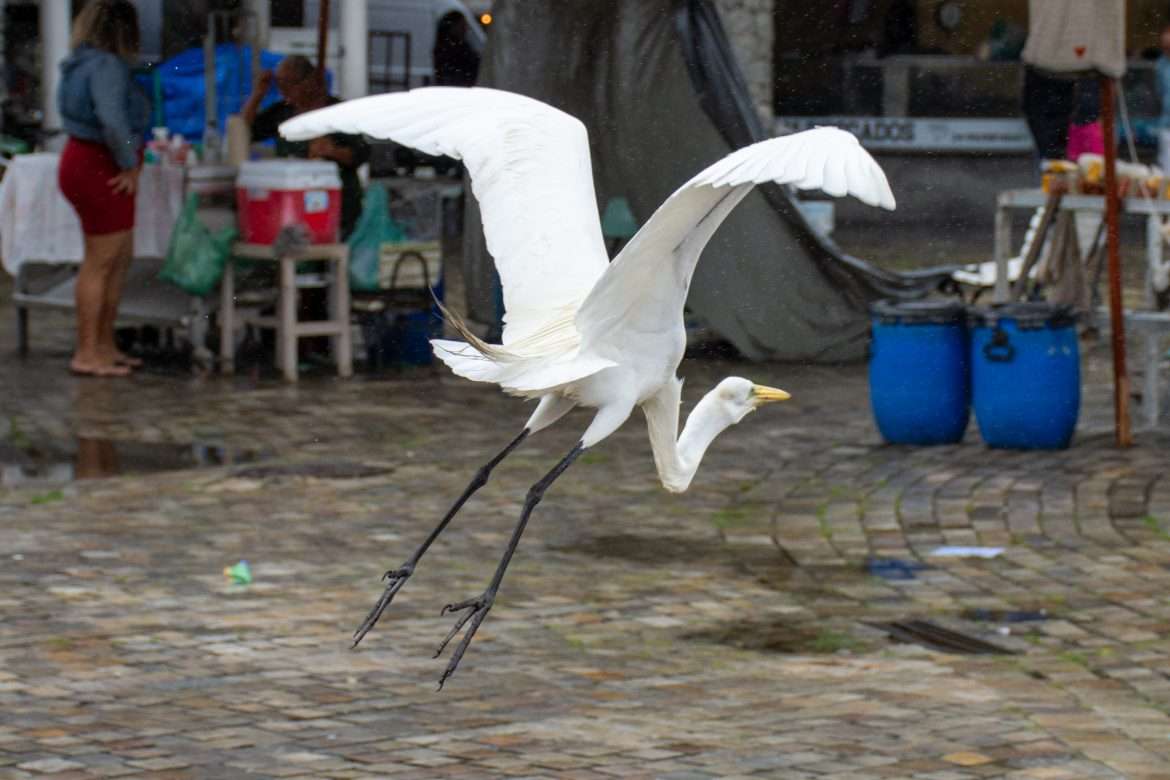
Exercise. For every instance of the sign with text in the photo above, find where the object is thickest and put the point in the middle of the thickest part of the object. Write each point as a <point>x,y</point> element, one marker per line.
<point>917,134</point>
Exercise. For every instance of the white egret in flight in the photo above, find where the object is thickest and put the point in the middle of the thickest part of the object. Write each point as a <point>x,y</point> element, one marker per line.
<point>580,330</point>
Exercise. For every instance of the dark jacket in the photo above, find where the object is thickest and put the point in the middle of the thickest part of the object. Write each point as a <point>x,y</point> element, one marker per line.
<point>99,101</point>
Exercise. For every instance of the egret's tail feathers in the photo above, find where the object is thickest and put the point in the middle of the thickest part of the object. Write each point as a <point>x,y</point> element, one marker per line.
<point>461,327</point>
<point>515,374</point>
<point>545,359</point>
<point>466,360</point>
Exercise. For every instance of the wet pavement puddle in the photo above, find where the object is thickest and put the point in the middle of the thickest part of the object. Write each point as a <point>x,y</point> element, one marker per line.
<point>781,636</point>
<point>25,463</point>
<point>334,469</point>
<point>642,549</point>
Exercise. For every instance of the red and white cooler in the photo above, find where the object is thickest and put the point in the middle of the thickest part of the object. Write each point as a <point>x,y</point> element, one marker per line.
<point>273,194</point>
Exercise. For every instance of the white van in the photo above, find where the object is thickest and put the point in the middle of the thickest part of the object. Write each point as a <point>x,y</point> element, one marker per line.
<point>391,65</point>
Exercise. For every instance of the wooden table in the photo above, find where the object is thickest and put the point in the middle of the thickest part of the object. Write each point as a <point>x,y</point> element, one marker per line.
<point>39,229</point>
<point>1152,209</point>
<point>288,328</point>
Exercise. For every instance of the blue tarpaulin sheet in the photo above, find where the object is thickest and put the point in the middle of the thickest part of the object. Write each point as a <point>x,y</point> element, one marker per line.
<point>178,82</point>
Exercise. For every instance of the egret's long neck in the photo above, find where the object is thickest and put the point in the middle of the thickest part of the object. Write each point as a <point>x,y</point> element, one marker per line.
<point>678,457</point>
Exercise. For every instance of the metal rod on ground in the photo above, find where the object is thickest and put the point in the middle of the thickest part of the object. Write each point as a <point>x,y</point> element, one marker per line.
<point>1113,241</point>
<point>322,37</point>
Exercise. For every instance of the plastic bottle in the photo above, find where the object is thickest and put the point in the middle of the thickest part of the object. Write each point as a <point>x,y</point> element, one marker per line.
<point>212,152</point>
<point>178,150</point>
<point>157,149</point>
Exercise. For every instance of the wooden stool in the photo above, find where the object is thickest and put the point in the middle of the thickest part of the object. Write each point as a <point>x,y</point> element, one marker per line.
<point>288,328</point>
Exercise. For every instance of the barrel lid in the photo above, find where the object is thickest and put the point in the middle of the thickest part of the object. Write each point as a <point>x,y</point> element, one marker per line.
<point>928,312</point>
<point>1027,315</point>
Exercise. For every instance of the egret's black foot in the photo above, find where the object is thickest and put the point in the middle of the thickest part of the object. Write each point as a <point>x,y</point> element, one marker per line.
<point>475,610</point>
<point>395,579</point>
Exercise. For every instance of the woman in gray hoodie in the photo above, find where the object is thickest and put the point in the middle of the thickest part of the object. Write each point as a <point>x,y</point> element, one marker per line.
<point>106,116</point>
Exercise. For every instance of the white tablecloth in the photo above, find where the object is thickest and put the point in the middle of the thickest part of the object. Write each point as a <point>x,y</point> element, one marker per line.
<point>38,224</point>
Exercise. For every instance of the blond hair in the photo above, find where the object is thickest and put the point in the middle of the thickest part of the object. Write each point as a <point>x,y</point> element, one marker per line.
<point>111,25</point>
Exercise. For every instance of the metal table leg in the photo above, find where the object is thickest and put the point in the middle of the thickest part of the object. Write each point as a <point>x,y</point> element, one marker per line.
<point>227,319</point>
<point>1003,240</point>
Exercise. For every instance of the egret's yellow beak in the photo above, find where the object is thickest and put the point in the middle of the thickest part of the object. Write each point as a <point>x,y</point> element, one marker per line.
<point>766,395</point>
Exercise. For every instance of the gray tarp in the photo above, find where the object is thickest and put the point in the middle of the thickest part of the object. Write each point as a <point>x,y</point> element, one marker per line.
<point>654,82</point>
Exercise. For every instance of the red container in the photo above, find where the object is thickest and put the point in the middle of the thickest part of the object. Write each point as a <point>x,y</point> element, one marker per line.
<point>273,194</point>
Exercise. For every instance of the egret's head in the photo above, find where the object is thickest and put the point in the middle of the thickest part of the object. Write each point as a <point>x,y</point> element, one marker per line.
<point>738,396</point>
<point>722,407</point>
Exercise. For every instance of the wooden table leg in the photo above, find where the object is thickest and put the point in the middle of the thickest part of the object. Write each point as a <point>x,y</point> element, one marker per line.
<point>1153,256</point>
<point>342,343</point>
<point>286,332</point>
<point>227,319</point>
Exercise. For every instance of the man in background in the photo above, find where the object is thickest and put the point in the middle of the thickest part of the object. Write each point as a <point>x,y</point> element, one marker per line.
<point>456,60</point>
<point>302,89</point>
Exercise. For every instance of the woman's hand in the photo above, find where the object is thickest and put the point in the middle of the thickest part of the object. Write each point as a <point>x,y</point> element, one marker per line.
<point>125,182</point>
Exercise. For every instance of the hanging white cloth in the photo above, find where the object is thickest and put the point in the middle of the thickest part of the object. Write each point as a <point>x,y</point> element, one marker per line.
<point>1067,36</point>
<point>37,223</point>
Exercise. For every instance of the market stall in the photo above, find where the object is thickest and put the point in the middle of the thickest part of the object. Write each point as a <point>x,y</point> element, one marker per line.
<point>41,241</point>
<point>1086,40</point>
<point>1151,326</point>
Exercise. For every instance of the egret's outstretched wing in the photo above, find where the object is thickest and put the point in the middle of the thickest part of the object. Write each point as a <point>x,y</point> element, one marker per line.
<point>644,289</point>
<point>530,170</point>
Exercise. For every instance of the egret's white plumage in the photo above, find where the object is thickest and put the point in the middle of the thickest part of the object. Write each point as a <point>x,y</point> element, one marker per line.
<point>607,335</point>
<point>530,169</point>
<point>578,329</point>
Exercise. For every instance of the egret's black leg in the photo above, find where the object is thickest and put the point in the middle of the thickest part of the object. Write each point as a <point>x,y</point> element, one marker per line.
<point>478,608</point>
<point>396,578</point>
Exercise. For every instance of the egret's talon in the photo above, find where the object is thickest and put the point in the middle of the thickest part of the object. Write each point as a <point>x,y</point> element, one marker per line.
<point>477,610</point>
<point>395,579</point>
<point>458,606</point>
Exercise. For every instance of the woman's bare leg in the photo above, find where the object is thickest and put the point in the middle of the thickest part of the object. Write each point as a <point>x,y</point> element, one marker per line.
<point>113,296</point>
<point>97,267</point>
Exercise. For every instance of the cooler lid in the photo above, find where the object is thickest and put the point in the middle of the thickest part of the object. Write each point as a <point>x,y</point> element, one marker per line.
<point>1027,315</point>
<point>289,174</point>
<point>930,312</point>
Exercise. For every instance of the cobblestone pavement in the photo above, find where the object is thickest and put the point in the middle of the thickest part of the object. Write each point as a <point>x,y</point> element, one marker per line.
<point>727,632</point>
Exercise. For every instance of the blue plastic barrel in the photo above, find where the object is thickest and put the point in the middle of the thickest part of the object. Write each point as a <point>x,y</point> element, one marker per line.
<point>918,376</point>
<point>1025,375</point>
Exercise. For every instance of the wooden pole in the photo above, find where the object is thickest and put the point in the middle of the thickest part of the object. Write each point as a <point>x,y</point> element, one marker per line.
<point>322,37</point>
<point>1113,242</point>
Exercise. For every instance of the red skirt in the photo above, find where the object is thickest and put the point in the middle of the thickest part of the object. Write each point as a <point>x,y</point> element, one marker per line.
<point>83,176</point>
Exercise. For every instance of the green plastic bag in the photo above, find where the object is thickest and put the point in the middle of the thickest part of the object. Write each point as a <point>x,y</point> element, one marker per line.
<point>196,256</point>
<point>375,227</point>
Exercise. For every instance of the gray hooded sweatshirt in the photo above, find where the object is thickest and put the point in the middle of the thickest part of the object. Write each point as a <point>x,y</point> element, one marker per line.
<point>99,101</point>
